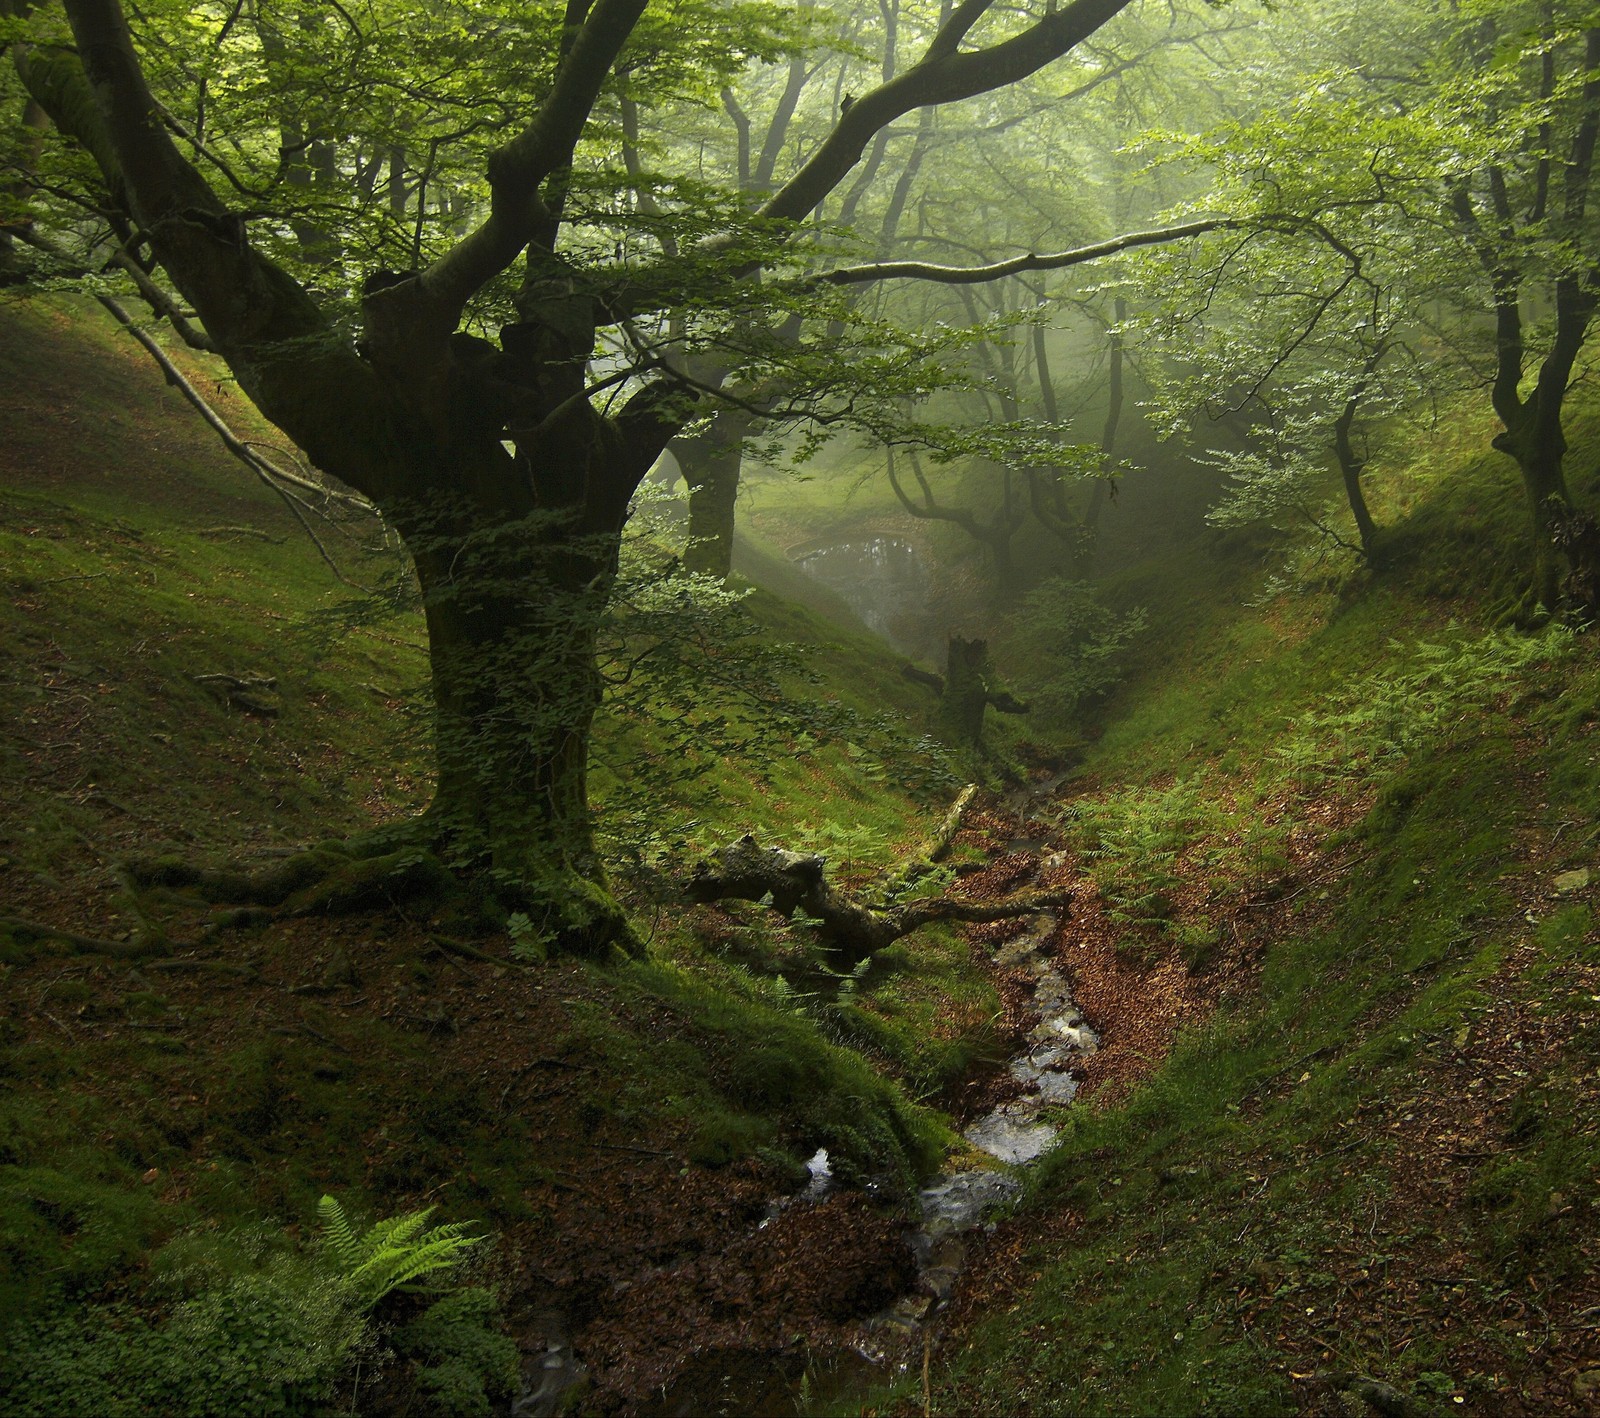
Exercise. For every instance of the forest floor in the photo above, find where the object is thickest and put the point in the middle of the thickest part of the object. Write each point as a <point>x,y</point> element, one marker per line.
<point>1341,1120</point>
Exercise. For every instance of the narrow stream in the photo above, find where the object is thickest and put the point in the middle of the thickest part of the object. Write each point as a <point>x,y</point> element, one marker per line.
<point>1015,1134</point>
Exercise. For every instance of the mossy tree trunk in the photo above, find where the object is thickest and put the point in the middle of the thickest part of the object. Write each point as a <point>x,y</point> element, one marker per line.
<point>711,462</point>
<point>511,646</point>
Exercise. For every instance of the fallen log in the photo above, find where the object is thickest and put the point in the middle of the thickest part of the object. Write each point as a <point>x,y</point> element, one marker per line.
<point>852,931</point>
<point>934,849</point>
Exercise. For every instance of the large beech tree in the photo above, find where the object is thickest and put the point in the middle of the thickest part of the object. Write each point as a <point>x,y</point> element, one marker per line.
<point>505,457</point>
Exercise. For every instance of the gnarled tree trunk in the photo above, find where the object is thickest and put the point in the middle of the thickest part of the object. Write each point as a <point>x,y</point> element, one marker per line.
<point>493,459</point>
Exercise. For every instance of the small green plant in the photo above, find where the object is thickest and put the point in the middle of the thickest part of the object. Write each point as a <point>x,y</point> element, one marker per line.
<point>392,1253</point>
<point>850,981</point>
<point>270,1341</point>
<point>527,944</point>
<point>464,1365</point>
<point>1068,648</point>
<point>847,844</point>
<point>1134,842</point>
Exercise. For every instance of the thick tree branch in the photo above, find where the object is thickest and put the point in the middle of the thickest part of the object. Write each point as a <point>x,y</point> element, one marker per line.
<point>516,170</point>
<point>286,354</point>
<point>796,881</point>
<point>955,29</point>
<point>942,75</point>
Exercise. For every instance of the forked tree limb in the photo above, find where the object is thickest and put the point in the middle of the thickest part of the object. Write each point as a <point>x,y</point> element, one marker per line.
<point>796,881</point>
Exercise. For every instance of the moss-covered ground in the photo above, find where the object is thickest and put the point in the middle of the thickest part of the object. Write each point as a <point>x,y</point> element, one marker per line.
<point>615,1130</point>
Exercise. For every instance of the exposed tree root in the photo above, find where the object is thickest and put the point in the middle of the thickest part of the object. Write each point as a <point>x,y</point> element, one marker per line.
<point>563,913</point>
<point>23,931</point>
<point>325,880</point>
<point>451,946</point>
<point>746,871</point>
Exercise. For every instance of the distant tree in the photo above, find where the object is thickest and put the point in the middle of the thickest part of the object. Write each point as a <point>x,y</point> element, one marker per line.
<point>1375,214</point>
<point>1303,314</point>
<point>967,690</point>
<point>1521,121</point>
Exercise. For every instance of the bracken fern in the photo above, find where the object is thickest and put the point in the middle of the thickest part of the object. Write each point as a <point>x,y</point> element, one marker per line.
<point>396,1251</point>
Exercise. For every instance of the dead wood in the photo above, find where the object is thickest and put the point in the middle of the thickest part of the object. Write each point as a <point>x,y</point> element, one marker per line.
<point>242,692</point>
<point>935,848</point>
<point>852,930</point>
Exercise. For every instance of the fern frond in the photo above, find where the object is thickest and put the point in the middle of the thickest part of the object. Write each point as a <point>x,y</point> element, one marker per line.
<point>392,1252</point>
<point>337,1233</point>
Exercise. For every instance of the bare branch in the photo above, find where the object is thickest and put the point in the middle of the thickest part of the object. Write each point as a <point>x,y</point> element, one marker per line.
<point>1016,265</point>
<point>268,472</point>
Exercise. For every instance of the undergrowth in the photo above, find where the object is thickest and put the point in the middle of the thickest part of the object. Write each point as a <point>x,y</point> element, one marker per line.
<point>137,1115</point>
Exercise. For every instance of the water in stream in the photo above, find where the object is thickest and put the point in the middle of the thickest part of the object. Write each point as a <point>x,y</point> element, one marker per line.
<point>1016,1134</point>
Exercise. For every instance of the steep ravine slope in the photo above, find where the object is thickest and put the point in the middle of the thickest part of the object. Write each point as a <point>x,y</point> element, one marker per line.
<point>1367,1180</point>
<point>181,1089</point>
<point>1332,923</point>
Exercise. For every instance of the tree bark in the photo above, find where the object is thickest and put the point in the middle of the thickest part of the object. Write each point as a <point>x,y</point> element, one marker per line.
<point>1350,465</point>
<point>1533,435</point>
<point>711,462</point>
<point>1538,446</point>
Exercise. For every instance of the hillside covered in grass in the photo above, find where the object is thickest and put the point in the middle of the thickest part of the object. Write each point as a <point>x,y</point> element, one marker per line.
<point>1330,848</point>
<point>182,1088</point>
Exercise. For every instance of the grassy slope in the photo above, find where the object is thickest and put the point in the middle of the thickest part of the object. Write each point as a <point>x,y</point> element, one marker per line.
<point>1375,1153</point>
<point>148,1102</point>
<point>1379,1153</point>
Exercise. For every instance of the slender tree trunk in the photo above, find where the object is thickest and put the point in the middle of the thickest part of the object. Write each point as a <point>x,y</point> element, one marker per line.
<point>1539,447</point>
<point>1350,466</point>
<point>711,463</point>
